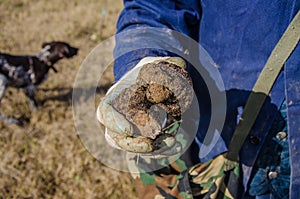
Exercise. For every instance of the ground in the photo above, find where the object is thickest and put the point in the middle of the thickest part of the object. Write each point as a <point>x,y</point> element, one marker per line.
<point>45,158</point>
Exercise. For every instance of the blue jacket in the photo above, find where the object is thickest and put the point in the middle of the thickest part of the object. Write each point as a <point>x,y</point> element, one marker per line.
<point>239,36</point>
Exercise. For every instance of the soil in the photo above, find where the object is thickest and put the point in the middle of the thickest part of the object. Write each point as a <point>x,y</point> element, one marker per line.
<point>154,95</point>
<point>168,85</point>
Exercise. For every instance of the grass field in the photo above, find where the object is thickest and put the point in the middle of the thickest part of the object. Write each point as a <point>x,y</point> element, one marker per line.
<point>45,158</point>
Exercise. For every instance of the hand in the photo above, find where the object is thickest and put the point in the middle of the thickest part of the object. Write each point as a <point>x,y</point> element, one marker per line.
<point>122,122</point>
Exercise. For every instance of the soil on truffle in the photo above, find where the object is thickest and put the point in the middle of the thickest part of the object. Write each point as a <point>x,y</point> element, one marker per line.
<point>162,90</point>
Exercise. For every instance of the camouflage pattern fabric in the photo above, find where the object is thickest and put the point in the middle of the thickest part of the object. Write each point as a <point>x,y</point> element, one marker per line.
<point>170,181</point>
<point>217,178</point>
<point>212,179</point>
<point>181,178</point>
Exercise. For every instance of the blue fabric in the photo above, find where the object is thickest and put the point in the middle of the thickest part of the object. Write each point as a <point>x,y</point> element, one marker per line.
<point>274,157</point>
<point>239,36</point>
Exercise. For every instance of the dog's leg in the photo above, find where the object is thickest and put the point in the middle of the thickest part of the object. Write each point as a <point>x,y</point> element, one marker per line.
<point>3,84</point>
<point>11,120</point>
<point>30,93</point>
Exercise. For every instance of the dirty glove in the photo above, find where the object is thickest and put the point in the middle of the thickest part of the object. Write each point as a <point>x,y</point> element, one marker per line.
<point>141,112</point>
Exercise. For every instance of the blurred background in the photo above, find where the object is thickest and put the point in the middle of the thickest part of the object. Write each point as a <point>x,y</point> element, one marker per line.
<point>45,158</point>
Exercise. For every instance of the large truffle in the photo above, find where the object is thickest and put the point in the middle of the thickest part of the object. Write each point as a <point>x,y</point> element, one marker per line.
<point>161,88</point>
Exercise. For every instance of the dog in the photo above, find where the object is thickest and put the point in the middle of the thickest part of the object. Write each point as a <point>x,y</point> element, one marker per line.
<point>28,72</point>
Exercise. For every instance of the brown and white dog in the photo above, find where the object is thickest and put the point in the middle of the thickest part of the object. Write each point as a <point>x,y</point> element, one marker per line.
<point>27,72</point>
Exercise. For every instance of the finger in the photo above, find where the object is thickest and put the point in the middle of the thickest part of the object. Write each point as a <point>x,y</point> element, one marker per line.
<point>110,139</point>
<point>127,143</point>
<point>166,151</point>
<point>112,119</point>
<point>174,150</point>
<point>163,141</point>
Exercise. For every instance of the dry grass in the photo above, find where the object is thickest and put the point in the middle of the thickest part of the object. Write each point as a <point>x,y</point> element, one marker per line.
<point>45,159</point>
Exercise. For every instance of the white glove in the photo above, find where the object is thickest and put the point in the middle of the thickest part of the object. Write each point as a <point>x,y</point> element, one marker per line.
<point>120,132</point>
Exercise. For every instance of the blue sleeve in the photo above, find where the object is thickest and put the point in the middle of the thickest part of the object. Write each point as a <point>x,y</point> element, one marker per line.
<point>181,16</point>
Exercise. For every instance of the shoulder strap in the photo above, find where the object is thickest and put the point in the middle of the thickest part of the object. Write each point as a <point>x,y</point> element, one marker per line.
<point>263,85</point>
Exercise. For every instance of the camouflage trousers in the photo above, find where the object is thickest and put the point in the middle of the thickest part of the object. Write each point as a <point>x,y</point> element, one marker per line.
<point>179,179</point>
<point>183,178</point>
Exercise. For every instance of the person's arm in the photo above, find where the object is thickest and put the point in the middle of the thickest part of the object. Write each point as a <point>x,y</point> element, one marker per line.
<point>181,16</point>
<point>145,30</point>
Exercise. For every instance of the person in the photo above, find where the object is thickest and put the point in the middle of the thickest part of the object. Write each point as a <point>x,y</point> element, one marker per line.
<point>239,36</point>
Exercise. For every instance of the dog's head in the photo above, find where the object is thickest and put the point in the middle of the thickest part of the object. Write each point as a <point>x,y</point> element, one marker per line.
<point>54,51</point>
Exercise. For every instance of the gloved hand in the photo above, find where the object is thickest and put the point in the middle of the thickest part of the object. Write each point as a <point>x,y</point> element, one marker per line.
<point>137,110</point>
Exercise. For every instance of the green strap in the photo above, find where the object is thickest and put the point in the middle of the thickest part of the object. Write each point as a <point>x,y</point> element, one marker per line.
<point>263,85</point>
